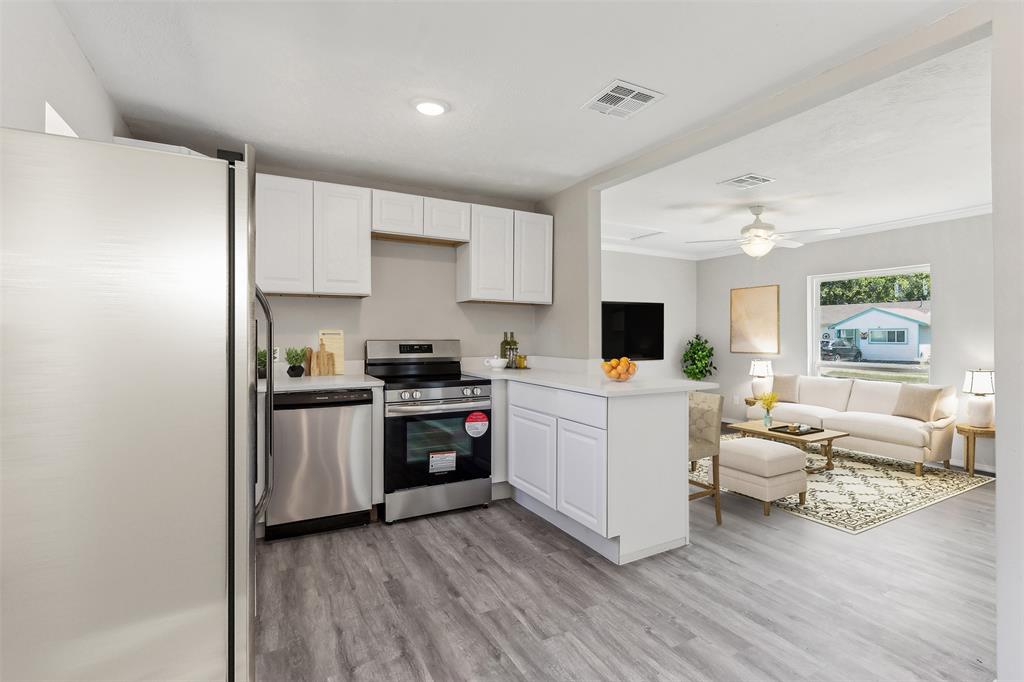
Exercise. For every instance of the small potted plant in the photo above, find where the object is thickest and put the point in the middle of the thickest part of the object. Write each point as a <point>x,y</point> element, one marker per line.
<point>261,363</point>
<point>295,357</point>
<point>697,359</point>
<point>768,401</point>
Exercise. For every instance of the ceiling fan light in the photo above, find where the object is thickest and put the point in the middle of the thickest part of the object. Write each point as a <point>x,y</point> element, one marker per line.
<point>757,247</point>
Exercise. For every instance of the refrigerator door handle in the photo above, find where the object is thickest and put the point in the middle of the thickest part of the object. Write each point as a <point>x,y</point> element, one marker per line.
<point>268,406</point>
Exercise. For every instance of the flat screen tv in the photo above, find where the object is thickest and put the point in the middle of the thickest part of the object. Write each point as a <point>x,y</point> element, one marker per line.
<point>636,330</point>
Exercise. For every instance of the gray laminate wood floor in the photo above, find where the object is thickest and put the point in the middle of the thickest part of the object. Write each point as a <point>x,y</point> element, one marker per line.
<point>498,594</point>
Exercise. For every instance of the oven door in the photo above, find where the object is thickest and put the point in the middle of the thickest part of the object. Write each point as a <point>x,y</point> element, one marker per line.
<point>430,444</point>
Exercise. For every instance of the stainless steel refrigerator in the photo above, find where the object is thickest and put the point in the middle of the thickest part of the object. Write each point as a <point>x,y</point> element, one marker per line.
<point>128,398</point>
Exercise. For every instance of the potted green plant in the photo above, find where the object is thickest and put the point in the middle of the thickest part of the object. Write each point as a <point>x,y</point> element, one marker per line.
<point>697,359</point>
<point>261,363</point>
<point>296,357</point>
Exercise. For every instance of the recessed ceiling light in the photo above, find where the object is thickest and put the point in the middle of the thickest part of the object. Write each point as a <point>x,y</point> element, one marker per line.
<point>429,107</point>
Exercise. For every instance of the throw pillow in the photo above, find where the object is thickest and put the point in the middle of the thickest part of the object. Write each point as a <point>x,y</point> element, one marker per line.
<point>784,386</point>
<point>917,402</point>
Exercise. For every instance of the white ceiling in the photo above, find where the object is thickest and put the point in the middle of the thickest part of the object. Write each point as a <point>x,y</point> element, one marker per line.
<point>910,149</point>
<point>327,86</point>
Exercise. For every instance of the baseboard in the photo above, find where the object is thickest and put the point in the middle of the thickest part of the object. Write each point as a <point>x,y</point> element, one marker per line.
<point>501,490</point>
<point>608,548</point>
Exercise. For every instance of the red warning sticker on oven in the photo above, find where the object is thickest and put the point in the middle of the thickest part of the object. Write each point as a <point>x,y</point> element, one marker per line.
<point>477,424</point>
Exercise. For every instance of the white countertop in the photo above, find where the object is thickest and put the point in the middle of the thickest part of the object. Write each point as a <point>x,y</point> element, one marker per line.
<point>287,384</point>
<point>591,381</point>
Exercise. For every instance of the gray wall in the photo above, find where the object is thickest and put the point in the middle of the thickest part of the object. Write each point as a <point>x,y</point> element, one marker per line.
<point>571,326</point>
<point>413,296</point>
<point>960,255</point>
<point>631,277</point>
<point>40,62</point>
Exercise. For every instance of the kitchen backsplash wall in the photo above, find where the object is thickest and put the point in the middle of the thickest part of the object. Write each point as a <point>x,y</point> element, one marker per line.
<point>413,297</point>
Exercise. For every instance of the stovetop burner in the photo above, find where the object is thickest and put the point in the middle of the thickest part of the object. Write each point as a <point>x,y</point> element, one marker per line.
<point>422,370</point>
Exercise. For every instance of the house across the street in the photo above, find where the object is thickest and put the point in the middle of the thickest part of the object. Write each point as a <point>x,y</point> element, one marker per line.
<point>886,334</point>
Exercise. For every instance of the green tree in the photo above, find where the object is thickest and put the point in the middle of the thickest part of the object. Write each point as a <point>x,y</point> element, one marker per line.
<point>915,286</point>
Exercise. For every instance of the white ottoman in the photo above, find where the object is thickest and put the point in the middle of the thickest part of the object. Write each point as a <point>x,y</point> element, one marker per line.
<point>763,469</point>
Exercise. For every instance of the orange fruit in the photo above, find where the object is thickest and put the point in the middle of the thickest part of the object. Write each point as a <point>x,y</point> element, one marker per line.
<point>632,369</point>
<point>623,360</point>
<point>606,366</point>
<point>614,362</point>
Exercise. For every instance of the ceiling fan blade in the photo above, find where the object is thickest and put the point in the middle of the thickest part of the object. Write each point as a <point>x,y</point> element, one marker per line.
<point>828,230</point>
<point>714,241</point>
<point>787,243</point>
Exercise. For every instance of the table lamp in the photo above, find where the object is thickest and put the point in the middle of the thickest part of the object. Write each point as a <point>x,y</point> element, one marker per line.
<point>981,384</point>
<point>760,368</point>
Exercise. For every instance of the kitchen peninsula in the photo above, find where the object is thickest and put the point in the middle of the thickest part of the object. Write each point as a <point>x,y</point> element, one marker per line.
<point>605,462</point>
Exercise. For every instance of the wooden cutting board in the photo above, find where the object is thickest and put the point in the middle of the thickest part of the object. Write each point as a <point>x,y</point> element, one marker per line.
<point>322,362</point>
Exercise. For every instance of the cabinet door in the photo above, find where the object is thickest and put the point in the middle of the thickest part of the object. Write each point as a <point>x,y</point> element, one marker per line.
<point>490,252</point>
<point>397,213</point>
<point>341,239</point>
<point>532,442</point>
<point>284,234</point>
<point>583,474</point>
<point>443,219</point>
<point>533,246</point>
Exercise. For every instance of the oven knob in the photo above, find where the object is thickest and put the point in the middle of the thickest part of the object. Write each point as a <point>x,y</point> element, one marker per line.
<point>477,391</point>
<point>417,395</point>
<point>467,391</point>
<point>405,395</point>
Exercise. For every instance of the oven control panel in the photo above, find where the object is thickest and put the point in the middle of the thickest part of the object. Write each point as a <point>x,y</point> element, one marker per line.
<point>418,348</point>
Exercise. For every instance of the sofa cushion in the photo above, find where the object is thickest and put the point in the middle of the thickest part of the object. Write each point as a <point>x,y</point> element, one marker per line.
<point>948,402</point>
<point>883,427</point>
<point>761,457</point>
<point>785,387</point>
<point>825,392</point>
<point>917,401</point>
<point>873,396</point>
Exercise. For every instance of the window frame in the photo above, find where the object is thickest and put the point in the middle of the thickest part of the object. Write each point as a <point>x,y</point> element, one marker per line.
<point>815,365</point>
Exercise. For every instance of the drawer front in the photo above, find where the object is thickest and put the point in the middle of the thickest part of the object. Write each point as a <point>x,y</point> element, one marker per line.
<point>579,407</point>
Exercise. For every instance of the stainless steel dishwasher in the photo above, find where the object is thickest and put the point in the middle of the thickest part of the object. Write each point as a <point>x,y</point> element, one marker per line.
<point>322,461</point>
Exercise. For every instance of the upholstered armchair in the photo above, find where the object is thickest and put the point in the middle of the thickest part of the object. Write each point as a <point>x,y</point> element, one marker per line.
<point>705,441</point>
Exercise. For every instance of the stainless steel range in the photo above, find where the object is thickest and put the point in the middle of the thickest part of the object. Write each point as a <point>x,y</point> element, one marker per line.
<point>437,435</point>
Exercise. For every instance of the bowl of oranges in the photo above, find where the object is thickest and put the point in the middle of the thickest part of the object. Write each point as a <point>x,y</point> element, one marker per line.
<point>619,369</point>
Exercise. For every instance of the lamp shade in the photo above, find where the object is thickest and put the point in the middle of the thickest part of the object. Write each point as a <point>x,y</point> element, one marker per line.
<point>760,368</point>
<point>757,246</point>
<point>980,381</point>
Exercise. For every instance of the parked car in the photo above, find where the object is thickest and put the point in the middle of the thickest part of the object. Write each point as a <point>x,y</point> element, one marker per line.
<point>840,349</point>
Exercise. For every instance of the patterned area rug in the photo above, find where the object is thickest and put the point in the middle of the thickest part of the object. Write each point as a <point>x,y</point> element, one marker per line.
<point>865,491</point>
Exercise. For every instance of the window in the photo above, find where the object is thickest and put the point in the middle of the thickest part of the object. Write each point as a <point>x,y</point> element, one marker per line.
<point>871,324</point>
<point>887,336</point>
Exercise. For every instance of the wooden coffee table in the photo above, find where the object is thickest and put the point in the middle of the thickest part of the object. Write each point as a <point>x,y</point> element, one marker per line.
<point>757,429</point>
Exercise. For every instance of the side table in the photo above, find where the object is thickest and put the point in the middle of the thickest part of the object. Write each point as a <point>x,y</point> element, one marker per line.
<point>971,434</point>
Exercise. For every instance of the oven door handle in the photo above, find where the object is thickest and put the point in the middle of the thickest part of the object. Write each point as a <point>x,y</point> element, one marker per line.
<point>398,410</point>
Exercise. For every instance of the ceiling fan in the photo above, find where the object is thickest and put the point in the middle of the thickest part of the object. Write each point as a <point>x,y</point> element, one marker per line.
<point>758,238</point>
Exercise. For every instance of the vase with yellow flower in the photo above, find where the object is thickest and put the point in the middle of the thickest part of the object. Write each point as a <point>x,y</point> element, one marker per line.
<point>768,401</point>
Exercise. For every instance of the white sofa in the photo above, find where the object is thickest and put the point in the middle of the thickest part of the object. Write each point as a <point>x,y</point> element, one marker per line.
<point>864,410</point>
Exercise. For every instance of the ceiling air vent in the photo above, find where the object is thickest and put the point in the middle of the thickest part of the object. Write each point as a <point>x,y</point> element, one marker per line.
<point>622,99</point>
<point>747,181</point>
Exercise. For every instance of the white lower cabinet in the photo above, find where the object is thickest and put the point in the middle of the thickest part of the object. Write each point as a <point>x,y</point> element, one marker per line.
<point>582,474</point>
<point>532,444</point>
<point>555,459</point>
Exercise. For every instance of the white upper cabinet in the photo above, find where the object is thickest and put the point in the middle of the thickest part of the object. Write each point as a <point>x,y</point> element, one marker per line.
<point>532,453</point>
<point>284,234</point>
<point>443,219</point>
<point>484,265</point>
<point>396,213</point>
<point>582,474</point>
<point>341,239</point>
<point>534,236</point>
